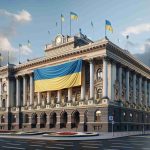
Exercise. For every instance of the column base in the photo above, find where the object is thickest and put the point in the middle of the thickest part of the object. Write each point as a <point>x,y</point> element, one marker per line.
<point>57,105</point>
<point>47,106</point>
<point>90,102</point>
<point>69,104</point>
<point>38,106</point>
<point>81,103</point>
<point>17,108</point>
<point>105,100</point>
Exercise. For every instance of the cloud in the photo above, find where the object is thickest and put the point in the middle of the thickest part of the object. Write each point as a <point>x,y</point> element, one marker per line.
<point>131,44</point>
<point>145,56</point>
<point>13,57</point>
<point>9,30</point>
<point>5,44</point>
<point>22,16</point>
<point>137,29</point>
<point>25,50</point>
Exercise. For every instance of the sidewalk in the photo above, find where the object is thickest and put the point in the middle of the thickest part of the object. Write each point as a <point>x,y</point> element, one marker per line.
<point>101,136</point>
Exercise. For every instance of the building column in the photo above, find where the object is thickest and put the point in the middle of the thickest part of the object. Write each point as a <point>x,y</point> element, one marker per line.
<point>0,93</point>
<point>17,92</point>
<point>127,84</point>
<point>140,90</point>
<point>91,79</point>
<point>105,78</point>
<point>39,98</point>
<point>120,83</point>
<point>83,83</point>
<point>48,97</point>
<point>11,92</point>
<point>8,103</point>
<point>149,94</point>
<point>31,89</point>
<point>134,88</point>
<point>111,80</point>
<point>145,92</point>
<point>114,72</point>
<point>69,94</point>
<point>58,96</point>
<point>24,90</point>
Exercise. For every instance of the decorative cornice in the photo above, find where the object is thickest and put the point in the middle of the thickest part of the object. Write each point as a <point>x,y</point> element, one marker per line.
<point>59,46</point>
<point>112,51</point>
<point>127,56</point>
<point>78,50</point>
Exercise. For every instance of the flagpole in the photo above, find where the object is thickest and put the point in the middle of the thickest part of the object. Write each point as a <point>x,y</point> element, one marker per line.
<point>105,29</point>
<point>19,54</point>
<point>8,57</point>
<point>70,24</point>
<point>0,60</point>
<point>61,25</point>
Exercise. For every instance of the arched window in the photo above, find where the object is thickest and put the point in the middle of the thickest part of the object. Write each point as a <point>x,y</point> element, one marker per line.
<point>26,118</point>
<point>3,103</point>
<point>98,116</point>
<point>63,119</point>
<point>53,120</point>
<point>43,120</point>
<point>2,119</point>
<point>99,74</point>
<point>4,87</point>
<point>13,118</point>
<point>33,120</point>
<point>75,119</point>
<point>99,93</point>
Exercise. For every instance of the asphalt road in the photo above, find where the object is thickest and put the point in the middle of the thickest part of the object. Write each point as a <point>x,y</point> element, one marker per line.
<point>125,143</point>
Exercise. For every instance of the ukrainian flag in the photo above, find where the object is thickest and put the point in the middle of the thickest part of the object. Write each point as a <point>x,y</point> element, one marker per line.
<point>58,77</point>
<point>108,26</point>
<point>73,16</point>
<point>62,18</point>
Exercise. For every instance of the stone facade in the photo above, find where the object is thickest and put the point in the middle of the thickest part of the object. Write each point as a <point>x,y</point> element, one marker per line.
<point>114,85</point>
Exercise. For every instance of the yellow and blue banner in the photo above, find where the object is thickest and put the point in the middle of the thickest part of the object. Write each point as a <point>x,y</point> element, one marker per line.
<point>62,18</point>
<point>73,16</point>
<point>108,26</point>
<point>58,77</point>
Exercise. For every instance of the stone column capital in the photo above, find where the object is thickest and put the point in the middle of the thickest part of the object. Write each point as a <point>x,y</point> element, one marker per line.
<point>24,75</point>
<point>30,74</point>
<point>91,60</point>
<point>17,76</point>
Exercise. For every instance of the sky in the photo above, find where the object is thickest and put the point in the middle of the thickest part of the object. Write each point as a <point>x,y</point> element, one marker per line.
<point>30,20</point>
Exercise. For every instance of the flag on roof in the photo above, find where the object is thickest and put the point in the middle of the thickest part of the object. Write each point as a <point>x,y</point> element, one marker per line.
<point>73,16</point>
<point>108,26</point>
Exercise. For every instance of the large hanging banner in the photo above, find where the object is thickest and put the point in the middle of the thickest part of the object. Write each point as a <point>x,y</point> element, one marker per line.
<point>58,77</point>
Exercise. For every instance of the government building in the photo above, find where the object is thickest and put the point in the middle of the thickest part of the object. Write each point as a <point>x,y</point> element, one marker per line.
<point>78,85</point>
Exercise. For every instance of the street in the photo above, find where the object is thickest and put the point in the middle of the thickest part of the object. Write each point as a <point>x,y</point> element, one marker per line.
<point>124,143</point>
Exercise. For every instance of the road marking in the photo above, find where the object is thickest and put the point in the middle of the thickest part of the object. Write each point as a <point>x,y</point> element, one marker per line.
<point>91,141</point>
<point>137,144</point>
<point>21,142</point>
<point>9,147</point>
<point>90,147</point>
<point>122,146</point>
<point>64,145</point>
<point>55,147</point>
<point>117,143</point>
<point>13,144</point>
<point>36,145</point>
<point>111,149</point>
<point>94,144</point>
<point>145,148</point>
<point>65,142</point>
